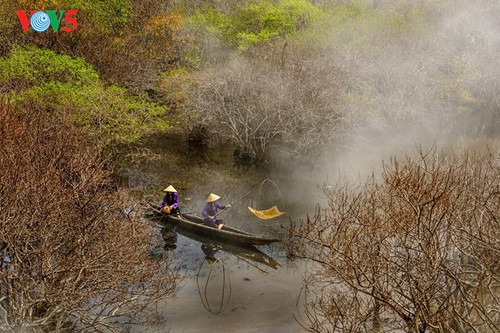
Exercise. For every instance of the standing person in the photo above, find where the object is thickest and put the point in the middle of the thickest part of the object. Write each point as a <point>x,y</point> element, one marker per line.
<point>209,211</point>
<point>170,204</point>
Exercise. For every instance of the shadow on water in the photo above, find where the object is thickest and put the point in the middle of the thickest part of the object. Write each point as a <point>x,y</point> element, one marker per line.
<point>213,278</point>
<point>230,288</point>
<point>215,271</point>
<point>218,260</point>
<point>226,288</point>
<point>210,247</point>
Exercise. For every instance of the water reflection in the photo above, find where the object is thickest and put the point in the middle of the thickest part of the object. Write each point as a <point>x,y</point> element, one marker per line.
<point>264,292</point>
<point>214,286</point>
<point>210,252</point>
<point>249,254</point>
<point>213,274</point>
<point>169,238</point>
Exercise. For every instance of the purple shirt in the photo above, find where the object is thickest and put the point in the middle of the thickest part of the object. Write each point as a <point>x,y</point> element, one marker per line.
<point>210,209</point>
<point>170,199</point>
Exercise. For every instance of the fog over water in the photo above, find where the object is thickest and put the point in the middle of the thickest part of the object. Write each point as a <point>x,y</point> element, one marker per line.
<point>431,88</point>
<point>424,88</point>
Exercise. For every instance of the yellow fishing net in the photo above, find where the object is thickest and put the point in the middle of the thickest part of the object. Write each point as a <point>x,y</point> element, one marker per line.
<point>266,214</point>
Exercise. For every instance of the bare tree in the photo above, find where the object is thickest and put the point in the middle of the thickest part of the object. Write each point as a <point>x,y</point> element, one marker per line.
<point>257,105</point>
<point>72,260</point>
<point>416,250</point>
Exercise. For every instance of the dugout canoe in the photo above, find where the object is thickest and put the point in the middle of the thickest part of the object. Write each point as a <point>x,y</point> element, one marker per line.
<point>195,225</point>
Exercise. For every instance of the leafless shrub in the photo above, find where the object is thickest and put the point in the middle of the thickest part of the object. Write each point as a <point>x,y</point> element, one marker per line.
<point>257,105</point>
<point>416,251</point>
<point>73,261</point>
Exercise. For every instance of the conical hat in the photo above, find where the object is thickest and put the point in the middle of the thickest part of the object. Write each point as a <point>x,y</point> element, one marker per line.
<point>212,197</point>
<point>170,188</point>
<point>211,260</point>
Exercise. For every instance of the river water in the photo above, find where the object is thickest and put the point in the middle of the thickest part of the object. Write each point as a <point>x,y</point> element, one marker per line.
<point>236,294</point>
<point>233,294</point>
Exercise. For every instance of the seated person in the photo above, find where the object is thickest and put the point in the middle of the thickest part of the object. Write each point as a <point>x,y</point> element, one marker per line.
<point>209,211</point>
<point>170,204</point>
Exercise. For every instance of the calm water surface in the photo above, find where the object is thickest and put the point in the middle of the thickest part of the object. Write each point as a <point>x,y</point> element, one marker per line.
<point>234,294</point>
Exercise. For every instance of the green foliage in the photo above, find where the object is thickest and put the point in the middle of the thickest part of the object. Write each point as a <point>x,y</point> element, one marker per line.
<point>173,85</point>
<point>207,29</point>
<point>256,22</point>
<point>457,84</point>
<point>104,17</point>
<point>211,20</point>
<point>33,66</point>
<point>49,82</point>
<point>110,35</point>
<point>263,21</point>
<point>360,27</point>
<point>339,26</point>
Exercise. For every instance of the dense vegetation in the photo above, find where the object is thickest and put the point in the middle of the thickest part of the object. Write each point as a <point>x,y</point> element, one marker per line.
<point>132,65</point>
<point>291,76</point>
<point>414,252</point>
<point>71,259</point>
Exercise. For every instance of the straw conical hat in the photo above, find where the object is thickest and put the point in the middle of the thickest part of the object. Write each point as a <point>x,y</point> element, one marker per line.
<point>170,188</point>
<point>211,260</point>
<point>212,197</point>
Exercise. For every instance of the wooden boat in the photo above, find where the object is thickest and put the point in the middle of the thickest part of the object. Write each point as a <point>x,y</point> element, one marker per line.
<point>195,225</point>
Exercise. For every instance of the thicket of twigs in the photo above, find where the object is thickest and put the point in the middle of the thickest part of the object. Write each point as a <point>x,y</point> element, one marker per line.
<point>71,260</point>
<point>417,251</point>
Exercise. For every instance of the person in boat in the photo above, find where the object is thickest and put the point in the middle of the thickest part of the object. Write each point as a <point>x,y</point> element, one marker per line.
<point>209,211</point>
<point>170,204</point>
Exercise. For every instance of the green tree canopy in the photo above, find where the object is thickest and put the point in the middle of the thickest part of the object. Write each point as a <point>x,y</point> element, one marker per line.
<point>51,82</point>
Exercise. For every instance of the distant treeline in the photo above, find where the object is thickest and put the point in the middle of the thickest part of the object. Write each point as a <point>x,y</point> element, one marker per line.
<point>295,74</point>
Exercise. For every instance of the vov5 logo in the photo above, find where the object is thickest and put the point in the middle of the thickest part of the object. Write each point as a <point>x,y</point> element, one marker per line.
<point>40,21</point>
